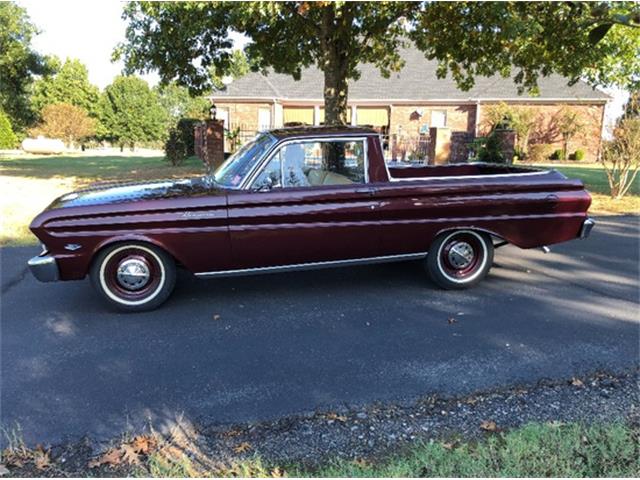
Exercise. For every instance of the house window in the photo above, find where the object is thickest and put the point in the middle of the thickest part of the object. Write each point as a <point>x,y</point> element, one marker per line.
<point>438,118</point>
<point>303,115</point>
<point>264,118</point>
<point>223,114</point>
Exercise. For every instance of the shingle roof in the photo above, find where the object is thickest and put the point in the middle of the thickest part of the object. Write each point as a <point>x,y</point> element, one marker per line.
<point>416,81</point>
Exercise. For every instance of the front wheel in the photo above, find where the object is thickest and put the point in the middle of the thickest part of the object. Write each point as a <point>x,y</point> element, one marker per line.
<point>459,259</point>
<point>134,276</point>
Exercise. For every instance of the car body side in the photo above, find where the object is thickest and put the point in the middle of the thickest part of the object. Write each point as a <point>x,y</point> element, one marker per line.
<point>211,229</point>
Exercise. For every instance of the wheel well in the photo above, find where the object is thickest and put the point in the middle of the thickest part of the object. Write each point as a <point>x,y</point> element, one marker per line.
<point>501,240</point>
<point>115,242</point>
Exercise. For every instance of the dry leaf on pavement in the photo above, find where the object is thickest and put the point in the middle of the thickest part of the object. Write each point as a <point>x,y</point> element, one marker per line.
<point>41,460</point>
<point>489,426</point>
<point>335,416</point>
<point>452,320</point>
<point>243,447</point>
<point>576,382</point>
<point>216,317</point>
<point>143,444</point>
<point>110,457</point>
<point>129,455</point>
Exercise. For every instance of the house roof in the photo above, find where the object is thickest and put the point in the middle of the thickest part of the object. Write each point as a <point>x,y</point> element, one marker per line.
<point>416,81</point>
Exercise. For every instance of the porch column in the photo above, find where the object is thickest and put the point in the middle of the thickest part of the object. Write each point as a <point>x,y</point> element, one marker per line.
<point>354,115</point>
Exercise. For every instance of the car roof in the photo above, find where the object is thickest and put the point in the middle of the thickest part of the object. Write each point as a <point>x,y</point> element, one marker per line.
<point>319,131</point>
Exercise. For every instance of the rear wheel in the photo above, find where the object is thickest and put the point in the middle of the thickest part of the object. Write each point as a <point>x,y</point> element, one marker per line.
<point>134,276</point>
<point>459,259</point>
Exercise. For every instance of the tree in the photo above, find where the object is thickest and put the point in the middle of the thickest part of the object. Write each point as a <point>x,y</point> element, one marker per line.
<point>65,121</point>
<point>466,38</point>
<point>520,119</point>
<point>178,103</point>
<point>569,124</point>
<point>621,156</point>
<point>18,63</point>
<point>238,67</point>
<point>69,85</point>
<point>7,137</point>
<point>131,112</point>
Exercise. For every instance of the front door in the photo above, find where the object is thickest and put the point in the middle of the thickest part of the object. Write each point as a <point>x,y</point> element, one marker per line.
<point>309,203</point>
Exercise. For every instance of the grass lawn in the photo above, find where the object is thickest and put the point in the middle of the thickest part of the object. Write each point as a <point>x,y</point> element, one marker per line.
<point>595,179</point>
<point>29,183</point>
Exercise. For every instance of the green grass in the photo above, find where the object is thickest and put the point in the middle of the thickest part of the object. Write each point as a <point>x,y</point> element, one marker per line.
<point>535,450</point>
<point>593,176</point>
<point>96,167</point>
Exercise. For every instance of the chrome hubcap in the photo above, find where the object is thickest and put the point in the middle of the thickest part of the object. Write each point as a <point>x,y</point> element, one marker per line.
<point>460,255</point>
<point>133,274</point>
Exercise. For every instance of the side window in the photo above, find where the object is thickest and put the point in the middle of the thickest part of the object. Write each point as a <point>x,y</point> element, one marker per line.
<point>314,163</point>
<point>270,177</point>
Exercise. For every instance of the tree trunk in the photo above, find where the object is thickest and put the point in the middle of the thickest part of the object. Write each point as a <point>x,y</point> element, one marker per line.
<point>335,58</point>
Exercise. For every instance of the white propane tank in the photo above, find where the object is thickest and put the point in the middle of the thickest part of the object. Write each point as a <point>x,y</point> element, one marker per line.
<point>43,145</point>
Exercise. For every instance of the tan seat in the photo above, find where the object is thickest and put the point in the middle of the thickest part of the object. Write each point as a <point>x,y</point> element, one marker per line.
<point>324,177</point>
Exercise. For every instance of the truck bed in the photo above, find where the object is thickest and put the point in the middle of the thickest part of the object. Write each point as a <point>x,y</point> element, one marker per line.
<point>457,170</point>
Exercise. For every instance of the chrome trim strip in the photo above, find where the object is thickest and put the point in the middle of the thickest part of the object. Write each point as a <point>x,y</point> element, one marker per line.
<point>314,265</point>
<point>261,164</point>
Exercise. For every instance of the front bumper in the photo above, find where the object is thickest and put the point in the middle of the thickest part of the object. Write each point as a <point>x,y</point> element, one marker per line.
<point>587,225</point>
<point>44,268</point>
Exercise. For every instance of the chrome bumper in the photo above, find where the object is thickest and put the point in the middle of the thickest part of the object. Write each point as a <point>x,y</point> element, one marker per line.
<point>44,268</point>
<point>587,225</point>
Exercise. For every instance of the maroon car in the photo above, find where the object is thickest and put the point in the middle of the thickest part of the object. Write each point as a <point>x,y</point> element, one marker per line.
<point>301,198</point>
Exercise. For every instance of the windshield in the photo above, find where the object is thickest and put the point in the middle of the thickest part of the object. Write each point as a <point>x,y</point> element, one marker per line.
<point>232,172</point>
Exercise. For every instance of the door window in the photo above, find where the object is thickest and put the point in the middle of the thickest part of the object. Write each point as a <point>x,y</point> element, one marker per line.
<point>314,163</point>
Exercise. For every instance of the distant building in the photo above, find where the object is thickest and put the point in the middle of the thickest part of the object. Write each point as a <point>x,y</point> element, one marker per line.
<point>410,102</point>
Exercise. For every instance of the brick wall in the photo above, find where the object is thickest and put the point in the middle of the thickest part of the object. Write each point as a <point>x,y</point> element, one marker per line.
<point>546,130</point>
<point>244,115</point>
<point>460,118</point>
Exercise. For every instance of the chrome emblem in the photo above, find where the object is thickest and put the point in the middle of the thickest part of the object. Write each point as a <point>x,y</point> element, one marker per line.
<point>72,247</point>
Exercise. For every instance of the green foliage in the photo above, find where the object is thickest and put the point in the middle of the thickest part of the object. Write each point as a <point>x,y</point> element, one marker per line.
<point>69,85</point>
<point>18,63</point>
<point>238,67</point>
<point>520,119</point>
<point>186,127</point>
<point>178,103</point>
<point>557,155</point>
<point>578,155</point>
<point>8,139</point>
<point>131,112</point>
<point>467,39</point>
<point>491,152</point>
<point>174,147</point>
<point>621,156</point>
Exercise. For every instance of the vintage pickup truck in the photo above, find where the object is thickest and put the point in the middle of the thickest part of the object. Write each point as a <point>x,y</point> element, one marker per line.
<point>302,198</point>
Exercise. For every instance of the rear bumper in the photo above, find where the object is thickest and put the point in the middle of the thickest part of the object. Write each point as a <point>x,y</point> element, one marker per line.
<point>44,268</point>
<point>587,225</point>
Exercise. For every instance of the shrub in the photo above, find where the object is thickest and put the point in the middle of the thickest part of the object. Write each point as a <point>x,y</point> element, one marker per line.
<point>557,155</point>
<point>186,127</point>
<point>175,148</point>
<point>578,155</point>
<point>491,152</point>
<point>8,139</point>
<point>539,152</point>
<point>621,156</point>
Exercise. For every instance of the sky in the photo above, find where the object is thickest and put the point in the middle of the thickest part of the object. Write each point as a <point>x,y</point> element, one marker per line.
<point>89,31</point>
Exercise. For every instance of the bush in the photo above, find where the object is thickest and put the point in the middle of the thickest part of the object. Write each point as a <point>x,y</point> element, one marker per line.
<point>558,155</point>
<point>8,139</point>
<point>186,127</point>
<point>539,152</point>
<point>578,155</point>
<point>175,148</point>
<point>491,152</point>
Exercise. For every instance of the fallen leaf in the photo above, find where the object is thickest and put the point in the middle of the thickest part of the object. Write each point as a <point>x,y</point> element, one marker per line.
<point>489,426</point>
<point>129,455</point>
<point>41,460</point>
<point>576,382</point>
<point>110,457</point>
<point>452,320</point>
<point>3,470</point>
<point>361,462</point>
<point>243,447</point>
<point>278,473</point>
<point>216,317</point>
<point>449,445</point>
<point>143,444</point>
<point>471,401</point>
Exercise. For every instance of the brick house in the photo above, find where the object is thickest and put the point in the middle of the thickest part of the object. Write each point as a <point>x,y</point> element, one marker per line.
<point>410,103</point>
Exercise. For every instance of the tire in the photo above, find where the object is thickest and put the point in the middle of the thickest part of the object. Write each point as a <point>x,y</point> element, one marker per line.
<point>133,276</point>
<point>459,259</point>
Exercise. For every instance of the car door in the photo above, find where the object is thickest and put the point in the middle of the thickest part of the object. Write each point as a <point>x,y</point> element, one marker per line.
<point>310,202</point>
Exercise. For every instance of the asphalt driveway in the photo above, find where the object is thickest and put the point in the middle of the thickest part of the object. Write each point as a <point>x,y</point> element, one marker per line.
<point>253,348</point>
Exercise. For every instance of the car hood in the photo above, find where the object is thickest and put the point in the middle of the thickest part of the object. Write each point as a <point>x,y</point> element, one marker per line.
<point>114,193</point>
